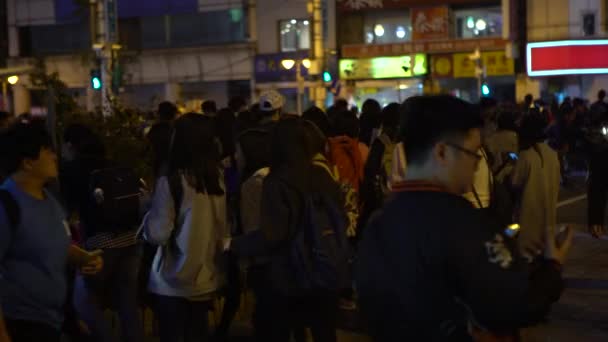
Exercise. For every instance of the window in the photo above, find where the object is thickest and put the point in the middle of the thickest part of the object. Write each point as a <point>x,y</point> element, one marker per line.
<point>588,24</point>
<point>387,27</point>
<point>193,29</point>
<point>478,22</point>
<point>295,34</point>
<point>54,39</point>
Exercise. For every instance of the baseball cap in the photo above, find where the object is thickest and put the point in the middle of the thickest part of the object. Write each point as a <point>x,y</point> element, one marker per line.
<point>271,100</point>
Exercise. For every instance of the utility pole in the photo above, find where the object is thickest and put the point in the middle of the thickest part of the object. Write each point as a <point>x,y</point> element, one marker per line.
<point>105,35</point>
<point>318,51</point>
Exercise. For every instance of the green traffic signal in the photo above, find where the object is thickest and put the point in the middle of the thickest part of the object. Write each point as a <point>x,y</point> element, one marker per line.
<point>326,76</point>
<point>96,79</point>
<point>96,83</point>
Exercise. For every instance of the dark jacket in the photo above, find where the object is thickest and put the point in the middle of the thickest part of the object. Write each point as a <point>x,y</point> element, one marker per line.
<point>429,261</point>
<point>281,209</point>
<point>74,179</point>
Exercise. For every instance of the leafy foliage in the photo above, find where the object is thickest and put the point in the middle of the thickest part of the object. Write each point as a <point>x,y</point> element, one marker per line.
<point>121,132</point>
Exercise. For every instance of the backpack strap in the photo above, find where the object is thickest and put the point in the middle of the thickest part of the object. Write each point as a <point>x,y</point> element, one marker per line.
<point>11,208</point>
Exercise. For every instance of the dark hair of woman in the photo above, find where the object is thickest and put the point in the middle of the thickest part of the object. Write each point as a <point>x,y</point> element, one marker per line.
<point>390,120</point>
<point>225,123</point>
<point>290,147</point>
<point>346,123</point>
<point>532,130</point>
<point>255,146</point>
<point>507,117</point>
<point>318,117</point>
<point>316,139</point>
<point>195,154</point>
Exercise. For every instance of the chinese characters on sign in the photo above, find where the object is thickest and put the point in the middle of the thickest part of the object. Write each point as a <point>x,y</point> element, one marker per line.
<point>496,63</point>
<point>383,67</point>
<point>360,5</point>
<point>441,46</point>
<point>430,23</point>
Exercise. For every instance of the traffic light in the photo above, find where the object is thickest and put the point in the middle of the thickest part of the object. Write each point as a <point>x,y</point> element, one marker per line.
<point>327,76</point>
<point>96,79</point>
<point>485,89</point>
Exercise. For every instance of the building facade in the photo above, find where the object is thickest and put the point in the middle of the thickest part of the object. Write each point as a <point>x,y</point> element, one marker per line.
<point>169,50</point>
<point>285,30</point>
<point>393,49</point>
<point>568,51</point>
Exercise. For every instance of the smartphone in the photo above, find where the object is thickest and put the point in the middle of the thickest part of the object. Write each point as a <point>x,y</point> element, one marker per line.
<point>513,156</point>
<point>512,230</point>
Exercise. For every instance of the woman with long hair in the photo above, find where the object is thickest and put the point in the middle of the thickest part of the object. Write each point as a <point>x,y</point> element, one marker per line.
<point>186,219</point>
<point>281,307</point>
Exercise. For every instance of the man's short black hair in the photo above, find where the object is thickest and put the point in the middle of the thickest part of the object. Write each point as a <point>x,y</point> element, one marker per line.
<point>209,106</point>
<point>22,140</point>
<point>317,116</point>
<point>601,94</point>
<point>167,111</point>
<point>426,120</point>
<point>345,123</point>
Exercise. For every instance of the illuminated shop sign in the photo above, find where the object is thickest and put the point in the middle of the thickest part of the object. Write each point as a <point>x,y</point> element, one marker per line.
<point>567,57</point>
<point>383,67</point>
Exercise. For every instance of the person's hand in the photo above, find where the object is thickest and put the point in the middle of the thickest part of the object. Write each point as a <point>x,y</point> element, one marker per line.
<point>93,266</point>
<point>224,244</point>
<point>4,337</point>
<point>556,252</point>
<point>596,230</point>
<point>532,249</point>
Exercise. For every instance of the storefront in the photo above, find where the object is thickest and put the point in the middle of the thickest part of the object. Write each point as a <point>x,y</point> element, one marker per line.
<point>463,76</point>
<point>574,68</point>
<point>386,79</point>
<point>448,67</point>
<point>462,45</point>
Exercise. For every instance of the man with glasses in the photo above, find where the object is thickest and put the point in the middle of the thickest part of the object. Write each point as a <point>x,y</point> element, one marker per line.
<point>430,266</point>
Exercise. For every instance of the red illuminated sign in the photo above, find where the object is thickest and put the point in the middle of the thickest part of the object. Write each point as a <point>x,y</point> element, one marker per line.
<point>568,57</point>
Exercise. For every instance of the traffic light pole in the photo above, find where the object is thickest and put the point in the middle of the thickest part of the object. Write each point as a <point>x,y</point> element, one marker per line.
<point>104,14</point>
<point>318,51</point>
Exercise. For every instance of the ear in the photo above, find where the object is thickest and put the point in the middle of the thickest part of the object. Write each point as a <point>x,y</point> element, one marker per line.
<point>440,153</point>
<point>26,165</point>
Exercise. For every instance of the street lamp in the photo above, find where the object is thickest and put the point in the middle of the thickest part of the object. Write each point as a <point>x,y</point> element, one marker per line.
<point>12,80</point>
<point>288,64</point>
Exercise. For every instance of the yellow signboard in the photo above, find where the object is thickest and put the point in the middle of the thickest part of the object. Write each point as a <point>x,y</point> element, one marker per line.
<point>496,63</point>
<point>383,67</point>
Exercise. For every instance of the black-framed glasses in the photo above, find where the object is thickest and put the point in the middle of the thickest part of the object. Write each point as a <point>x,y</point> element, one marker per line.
<point>474,154</point>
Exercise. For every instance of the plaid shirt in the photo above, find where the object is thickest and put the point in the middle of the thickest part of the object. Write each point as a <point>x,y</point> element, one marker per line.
<point>111,240</point>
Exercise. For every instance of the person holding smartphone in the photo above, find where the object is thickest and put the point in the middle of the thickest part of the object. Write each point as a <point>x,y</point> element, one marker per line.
<point>34,239</point>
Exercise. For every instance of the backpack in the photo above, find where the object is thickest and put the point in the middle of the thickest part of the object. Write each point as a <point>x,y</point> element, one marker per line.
<point>319,252</point>
<point>345,155</point>
<point>11,208</point>
<point>114,199</point>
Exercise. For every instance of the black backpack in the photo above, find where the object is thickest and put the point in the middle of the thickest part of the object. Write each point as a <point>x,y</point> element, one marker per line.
<point>114,199</point>
<point>320,252</point>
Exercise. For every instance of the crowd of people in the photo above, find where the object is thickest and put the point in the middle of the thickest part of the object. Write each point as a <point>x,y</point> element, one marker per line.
<point>435,219</point>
